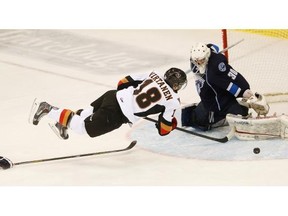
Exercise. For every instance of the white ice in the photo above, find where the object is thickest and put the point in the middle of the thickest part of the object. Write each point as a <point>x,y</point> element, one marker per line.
<point>70,69</point>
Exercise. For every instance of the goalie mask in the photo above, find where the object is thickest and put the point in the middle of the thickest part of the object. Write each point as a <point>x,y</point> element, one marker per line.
<point>199,56</point>
<point>175,78</point>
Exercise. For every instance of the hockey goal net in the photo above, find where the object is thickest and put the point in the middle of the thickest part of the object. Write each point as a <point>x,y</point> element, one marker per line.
<point>262,57</point>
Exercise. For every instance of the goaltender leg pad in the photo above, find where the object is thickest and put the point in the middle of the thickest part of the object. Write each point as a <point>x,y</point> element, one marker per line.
<point>284,126</point>
<point>256,128</point>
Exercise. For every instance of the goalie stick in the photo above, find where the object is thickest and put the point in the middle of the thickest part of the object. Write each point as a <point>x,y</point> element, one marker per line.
<point>221,140</point>
<point>5,163</point>
<point>232,45</point>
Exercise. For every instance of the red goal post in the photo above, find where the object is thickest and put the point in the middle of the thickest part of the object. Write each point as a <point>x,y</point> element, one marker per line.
<point>261,58</point>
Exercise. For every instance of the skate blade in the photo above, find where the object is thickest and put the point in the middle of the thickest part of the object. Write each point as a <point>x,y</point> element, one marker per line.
<point>55,130</point>
<point>34,108</point>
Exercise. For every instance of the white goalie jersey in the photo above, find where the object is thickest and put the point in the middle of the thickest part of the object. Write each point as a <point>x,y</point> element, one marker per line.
<point>259,128</point>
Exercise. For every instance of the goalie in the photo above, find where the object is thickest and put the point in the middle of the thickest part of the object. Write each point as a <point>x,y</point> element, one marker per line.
<point>222,90</point>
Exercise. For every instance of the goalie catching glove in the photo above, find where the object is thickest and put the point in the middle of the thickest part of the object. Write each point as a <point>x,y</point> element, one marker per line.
<point>256,101</point>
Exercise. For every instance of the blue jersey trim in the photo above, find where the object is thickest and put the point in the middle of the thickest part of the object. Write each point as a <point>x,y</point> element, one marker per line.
<point>233,89</point>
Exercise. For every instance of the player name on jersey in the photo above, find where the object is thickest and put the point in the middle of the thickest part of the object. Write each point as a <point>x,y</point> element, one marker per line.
<point>162,84</point>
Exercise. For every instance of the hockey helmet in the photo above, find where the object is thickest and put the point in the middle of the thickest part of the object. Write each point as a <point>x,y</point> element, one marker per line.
<point>199,55</point>
<point>175,78</point>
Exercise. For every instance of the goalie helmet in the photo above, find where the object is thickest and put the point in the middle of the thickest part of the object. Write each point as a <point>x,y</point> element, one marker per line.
<point>199,56</point>
<point>175,78</point>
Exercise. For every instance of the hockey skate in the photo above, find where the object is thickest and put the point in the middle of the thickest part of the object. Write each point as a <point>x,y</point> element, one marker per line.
<point>60,130</point>
<point>38,110</point>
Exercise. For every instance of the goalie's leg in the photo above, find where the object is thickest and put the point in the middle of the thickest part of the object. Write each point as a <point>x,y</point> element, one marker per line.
<point>195,116</point>
<point>186,115</point>
<point>255,128</point>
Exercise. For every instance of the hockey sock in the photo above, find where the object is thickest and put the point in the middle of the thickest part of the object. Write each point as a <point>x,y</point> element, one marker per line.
<point>77,124</point>
<point>63,116</point>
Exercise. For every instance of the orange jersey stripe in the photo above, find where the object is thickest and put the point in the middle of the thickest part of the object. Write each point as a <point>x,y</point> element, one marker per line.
<point>124,80</point>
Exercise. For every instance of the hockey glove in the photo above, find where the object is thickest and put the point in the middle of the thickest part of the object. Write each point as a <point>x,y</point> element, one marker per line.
<point>247,94</point>
<point>174,123</point>
<point>257,102</point>
<point>165,127</point>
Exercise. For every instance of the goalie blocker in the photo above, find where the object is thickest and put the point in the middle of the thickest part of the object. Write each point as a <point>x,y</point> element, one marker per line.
<point>259,128</point>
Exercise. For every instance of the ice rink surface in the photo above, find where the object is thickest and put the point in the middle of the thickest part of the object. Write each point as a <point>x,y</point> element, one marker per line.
<point>70,69</point>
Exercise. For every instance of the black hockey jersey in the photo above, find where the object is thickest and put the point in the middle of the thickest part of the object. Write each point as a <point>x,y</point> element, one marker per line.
<point>220,84</point>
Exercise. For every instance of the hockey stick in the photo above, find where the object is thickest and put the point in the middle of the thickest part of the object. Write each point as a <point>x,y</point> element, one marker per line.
<point>5,163</point>
<point>221,140</point>
<point>222,51</point>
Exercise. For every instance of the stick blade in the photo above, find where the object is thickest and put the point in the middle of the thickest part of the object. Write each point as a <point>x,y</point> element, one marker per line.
<point>5,163</point>
<point>132,144</point>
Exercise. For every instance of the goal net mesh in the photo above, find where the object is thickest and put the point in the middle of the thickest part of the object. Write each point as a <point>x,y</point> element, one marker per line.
<point>262,57</point>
